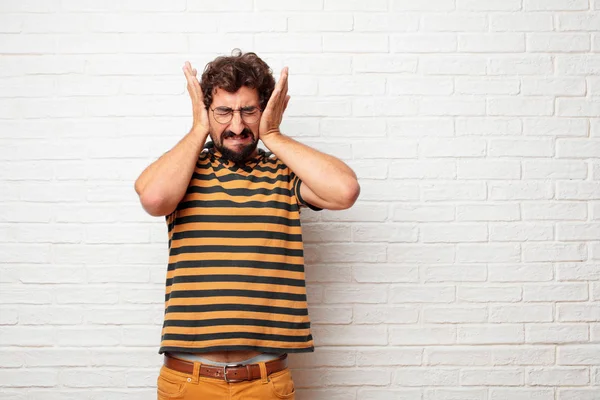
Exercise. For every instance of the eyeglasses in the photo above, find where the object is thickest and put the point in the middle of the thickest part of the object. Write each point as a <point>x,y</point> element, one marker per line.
<point>224,115</point>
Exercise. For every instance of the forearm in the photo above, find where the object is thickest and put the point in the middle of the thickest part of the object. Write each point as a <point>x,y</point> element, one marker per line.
<point>328,177</point>
<point>164,182</point>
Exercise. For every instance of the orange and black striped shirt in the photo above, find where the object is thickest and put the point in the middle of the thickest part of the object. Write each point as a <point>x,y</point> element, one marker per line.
<point>235,279</point>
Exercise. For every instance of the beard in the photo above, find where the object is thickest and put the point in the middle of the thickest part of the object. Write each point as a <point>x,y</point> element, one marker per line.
<point>240,153</point>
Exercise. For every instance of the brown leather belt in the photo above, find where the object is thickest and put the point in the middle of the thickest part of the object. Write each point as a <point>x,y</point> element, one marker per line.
<point>233,373</point>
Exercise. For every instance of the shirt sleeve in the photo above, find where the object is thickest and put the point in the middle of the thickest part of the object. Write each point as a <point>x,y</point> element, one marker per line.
<point>296,183</point>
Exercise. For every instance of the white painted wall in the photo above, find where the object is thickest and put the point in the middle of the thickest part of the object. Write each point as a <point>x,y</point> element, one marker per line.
<point>470,267</point>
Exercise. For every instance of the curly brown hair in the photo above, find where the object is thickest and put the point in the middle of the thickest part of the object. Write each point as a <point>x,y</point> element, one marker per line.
<point>232,72</point>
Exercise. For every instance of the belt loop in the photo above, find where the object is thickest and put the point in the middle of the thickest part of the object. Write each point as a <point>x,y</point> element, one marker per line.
<point>196,373</point>
<point>263,372</point>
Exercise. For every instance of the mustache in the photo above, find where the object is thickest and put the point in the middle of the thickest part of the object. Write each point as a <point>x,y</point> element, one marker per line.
<point>228,134</point>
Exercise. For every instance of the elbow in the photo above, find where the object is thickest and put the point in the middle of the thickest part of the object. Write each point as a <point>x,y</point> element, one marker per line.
<point>156,206</point>
<point>350,195</point>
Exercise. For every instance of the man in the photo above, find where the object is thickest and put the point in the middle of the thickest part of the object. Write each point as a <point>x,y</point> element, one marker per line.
<point>235,301</point>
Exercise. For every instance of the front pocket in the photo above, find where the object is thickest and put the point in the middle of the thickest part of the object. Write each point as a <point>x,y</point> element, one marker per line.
<point>169,387</point>
<point>282,385</point>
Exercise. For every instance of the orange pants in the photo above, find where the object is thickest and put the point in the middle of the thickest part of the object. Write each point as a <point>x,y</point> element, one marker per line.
<point>172,384</point>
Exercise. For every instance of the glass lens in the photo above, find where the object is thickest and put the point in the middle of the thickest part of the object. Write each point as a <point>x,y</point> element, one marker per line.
<point>250,116</point>
<point>223,114</point>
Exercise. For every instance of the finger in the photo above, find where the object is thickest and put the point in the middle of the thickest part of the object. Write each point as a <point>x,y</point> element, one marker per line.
<point>284,78</point>
<point>287,100</point>
<point>193,87</point>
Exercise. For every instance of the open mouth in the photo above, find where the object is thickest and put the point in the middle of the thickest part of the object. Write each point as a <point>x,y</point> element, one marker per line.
<point>242,138</point>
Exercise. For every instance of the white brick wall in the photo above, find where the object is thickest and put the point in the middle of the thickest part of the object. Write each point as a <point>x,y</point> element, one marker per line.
<point>468,269</point>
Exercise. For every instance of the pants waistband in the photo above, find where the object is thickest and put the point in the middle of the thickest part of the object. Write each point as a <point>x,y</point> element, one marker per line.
<point>264,357</point>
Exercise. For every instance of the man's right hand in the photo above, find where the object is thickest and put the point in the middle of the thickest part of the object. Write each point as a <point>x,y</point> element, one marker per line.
<point>199,111</point>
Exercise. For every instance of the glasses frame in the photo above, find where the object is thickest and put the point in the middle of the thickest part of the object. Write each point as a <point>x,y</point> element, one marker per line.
<point>233,111</point>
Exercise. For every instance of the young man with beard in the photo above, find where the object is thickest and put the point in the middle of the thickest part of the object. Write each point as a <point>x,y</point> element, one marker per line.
<point>235,298</point>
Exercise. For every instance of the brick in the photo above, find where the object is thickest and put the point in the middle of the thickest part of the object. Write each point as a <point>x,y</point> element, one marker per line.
<point>423,169</point>
<point>525,313</point>
<point>355,127</point>
<point>24,378</point>
<point>345,294</point>
<point>578,355</point>
<point>454,314</point>
<point>452,106</point>
<point>383,314</point>
<point>384,233</point>
<point>588,64</point>
<point>424,43</point>
<point>345,252</point>
<point>453,23</point>
<point>431,5</point>
<point>479,294</point>
<point>555,5</point>
<point>27,6</point>
<point>577,312</point>
<point>321,22</point>
<point>350,335</point>
<point>417,127</point>
<point>355,5</point>
<point>524,65</point>
<point>487,86</point>
<point>416,86</point>
<point>488,126</point>
<point>491,43</point>
<point>578,107</point>
<point>531,106</point>
<point>576,127</point>
<point>522,393</point>
<point>274,5</point>
<point>457,356</point>
<point>578,190</point>
<point>489,376</point>
<point>420,253</point>
<point>578,21</point>
<point>578,272</point>
<point>384,63</point>
<point>554,169</point>
<point>557,211</point>
<point>558,42</point>
<point>288,43</point>
<point>360,43</point>
<point>555,292</point>
<point>422,212</point>
<point>475,169</point>
<point>521,148</point>
<point>386,22</point>
<point>452,65</point>
<point>458,191</point>
<point>380,107</point>
<point>449,273</point>
<point>521,232</point>
<point>433,334</point>
<point>352,85</point>
<point>558,376</point>
<point>489,5</point>
<point>521,22</point>
<point>456,147</point>
<point>554,86</point>
<point>454,233</point>
<point>491,334</point>
<point>530,272</point>
<point>422,294</point>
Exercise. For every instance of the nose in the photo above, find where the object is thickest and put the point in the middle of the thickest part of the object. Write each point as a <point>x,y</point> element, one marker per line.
<point>237,124</point>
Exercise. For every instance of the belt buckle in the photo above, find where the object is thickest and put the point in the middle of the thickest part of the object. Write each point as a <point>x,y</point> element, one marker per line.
<point>225,373</point>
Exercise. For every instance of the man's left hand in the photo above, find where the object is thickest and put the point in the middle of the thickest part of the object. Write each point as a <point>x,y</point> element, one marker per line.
<point>273,113</point>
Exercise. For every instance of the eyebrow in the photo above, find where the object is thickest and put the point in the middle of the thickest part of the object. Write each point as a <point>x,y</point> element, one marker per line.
<point>245,108</point>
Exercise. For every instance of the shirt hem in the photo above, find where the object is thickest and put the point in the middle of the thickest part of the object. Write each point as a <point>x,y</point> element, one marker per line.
<point>164,349</point>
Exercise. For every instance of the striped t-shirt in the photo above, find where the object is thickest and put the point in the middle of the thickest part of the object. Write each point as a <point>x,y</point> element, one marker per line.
<point>235,279</point>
